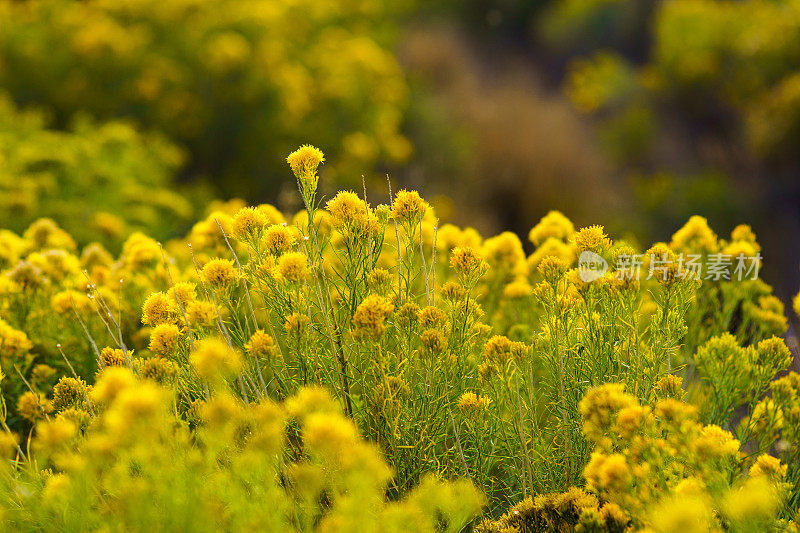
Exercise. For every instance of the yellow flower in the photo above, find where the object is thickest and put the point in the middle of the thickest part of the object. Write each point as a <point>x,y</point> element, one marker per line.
<point>554,225</point>
<point>14,344</point>
<point>158,369</point>
<point>33,406</point>
<point>184,291</point>
<point>468,264</point>
<point>408,207</point>
<point>27,276</point>
<point>213,357</point>
<point>433,342</point>
<point>469,402</point>
<point>695,237</point>
<point>293,267</point>
<point>743,232</point>
<point>769,467</point>
<point>608,472</point>
<point>552,247</point>
<point>45,233</point>
<point>305,160</point>
<point>219,273</point>
<point>599,407</point>
<point>164,339</point>
<point>348,210</point>
<point>159,309</point>
<point>278,239</point>
<point>140,252</point>
<point>95,255</point>
<point>504,252</point>
<point>552,268</point>
<point>380,281</point>
<point>69,392</point>
<point>296,324</point>
<point>370,315</point>
<point>248,223</point>
<point>113,357</point>
<point>591,238</point>
<point>662,264</point>
<point>630,420</point>
<point>201,313</point>
<point>517,290</point>
<point>714,442</point>
<point>669,386</point>
<point>262,345</point>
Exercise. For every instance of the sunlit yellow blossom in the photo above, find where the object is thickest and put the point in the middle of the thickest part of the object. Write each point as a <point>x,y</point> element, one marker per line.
<point>552,269</point>
<point>184,291</point>
<point>108,224</point>
<point>310,400</point>
<point>591,238</point>
<point>278,239</point>
<point>662,264</point>
<point>305,160</point>
<point>753,505</point>
<point>745,233</point>
<point>408,207</point>
<point>295,324</point>
<point>348,210</point>
<point>219,273</point>
<point>599,407</point>
<point>669,386</point>
<point>159,309</point>
<point>140,252</point>
<point>27,276</point>
<point>517,290</point>
<point>45,233</point>
<point>504,252</point>
<point>158,369</point>
<point>248,223</point>
<point>95,255</point>
<point>53,435</point>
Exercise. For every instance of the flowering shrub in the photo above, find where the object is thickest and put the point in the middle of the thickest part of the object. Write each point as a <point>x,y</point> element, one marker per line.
<point>67,175</point>
<point>232,80</point>
<point>263,466</point>
<point>555,379</point>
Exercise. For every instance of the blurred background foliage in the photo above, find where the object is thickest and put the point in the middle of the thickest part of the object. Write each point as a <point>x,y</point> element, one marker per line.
<point>631,113</point>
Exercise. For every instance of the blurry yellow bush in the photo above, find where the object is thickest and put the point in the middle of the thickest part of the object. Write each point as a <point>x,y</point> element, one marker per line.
<point>236,81</point>
<point>100,182</point>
